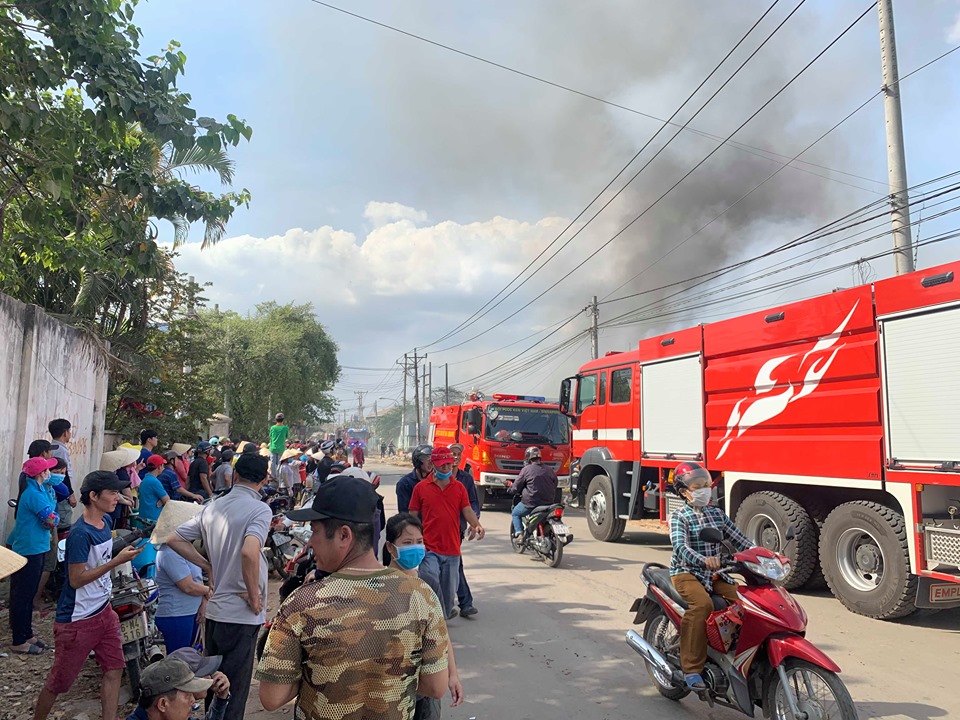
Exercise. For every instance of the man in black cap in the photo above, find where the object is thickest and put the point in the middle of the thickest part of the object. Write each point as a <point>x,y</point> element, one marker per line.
<point>233,529</point>
<point>384,670</point>
<point>205,668</point>
<point>85,620</point>
<point>168,690</point>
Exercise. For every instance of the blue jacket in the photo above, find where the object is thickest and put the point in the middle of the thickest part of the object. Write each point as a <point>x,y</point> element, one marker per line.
<point>405,487</point>
<point>467,479</point>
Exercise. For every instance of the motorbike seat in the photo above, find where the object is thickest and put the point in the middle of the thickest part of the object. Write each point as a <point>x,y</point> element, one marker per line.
<point>660,576</point>
<point>542,509</point>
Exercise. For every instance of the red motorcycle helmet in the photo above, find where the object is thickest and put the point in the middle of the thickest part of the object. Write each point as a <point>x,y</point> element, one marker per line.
<point>687,472</point>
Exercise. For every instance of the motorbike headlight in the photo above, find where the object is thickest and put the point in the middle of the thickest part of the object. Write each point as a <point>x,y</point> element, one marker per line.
<point>770,568</point>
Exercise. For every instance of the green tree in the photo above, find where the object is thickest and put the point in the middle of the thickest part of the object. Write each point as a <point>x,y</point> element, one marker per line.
<point>279,359</point>
<point>94,140</point>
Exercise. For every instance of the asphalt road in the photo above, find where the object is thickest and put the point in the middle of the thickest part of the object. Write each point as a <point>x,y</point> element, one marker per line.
<point>548,643</point>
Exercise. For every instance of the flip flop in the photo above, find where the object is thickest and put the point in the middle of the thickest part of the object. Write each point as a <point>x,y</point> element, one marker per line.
<point>40,644</point>
<point>31,650</point>
<point>695,682</point>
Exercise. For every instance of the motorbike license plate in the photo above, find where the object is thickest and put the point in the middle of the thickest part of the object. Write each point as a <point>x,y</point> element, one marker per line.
<point>134,628</point>
<point>280,539</point>
<point>560,529</point>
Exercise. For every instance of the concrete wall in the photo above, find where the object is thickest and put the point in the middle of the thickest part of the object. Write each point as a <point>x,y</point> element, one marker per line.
<point>48,369</point>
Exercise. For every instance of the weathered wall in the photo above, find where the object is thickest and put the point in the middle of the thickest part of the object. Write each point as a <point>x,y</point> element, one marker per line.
<point>48,369</point>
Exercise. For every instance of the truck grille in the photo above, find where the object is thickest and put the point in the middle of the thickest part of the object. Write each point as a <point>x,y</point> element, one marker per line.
<point>943,546</point>
<point>674,503</point>
<point>515,466</point>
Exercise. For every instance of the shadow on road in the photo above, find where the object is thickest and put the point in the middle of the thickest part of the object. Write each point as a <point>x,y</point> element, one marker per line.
<point>915,711</point>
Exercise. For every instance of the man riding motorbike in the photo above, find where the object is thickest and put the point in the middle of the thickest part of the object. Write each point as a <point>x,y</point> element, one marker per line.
<point>695,562</point>
<point>537,485</point>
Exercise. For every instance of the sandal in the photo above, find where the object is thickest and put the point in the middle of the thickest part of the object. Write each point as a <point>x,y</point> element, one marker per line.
<point>31,650</point>
<point>695,682</point>
<point>40,644</point>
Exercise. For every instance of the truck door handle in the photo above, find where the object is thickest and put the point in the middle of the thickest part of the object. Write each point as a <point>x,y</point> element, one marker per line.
<point>630,434</point>
<point>596,435</point>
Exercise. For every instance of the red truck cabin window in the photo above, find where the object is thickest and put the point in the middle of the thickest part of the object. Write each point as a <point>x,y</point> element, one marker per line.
<point>620,385</point>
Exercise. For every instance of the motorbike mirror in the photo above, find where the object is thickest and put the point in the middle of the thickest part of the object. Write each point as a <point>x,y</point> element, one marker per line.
<point>711,535</point>
<point>11,503</point>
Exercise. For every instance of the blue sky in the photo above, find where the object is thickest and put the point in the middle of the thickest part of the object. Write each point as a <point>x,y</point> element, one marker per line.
<point>475,170</point>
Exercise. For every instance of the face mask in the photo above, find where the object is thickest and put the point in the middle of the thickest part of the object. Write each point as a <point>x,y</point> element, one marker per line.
<point>701,497</point>
<point>409,557</point>
<point>442,476</point>
<point>54,479</point>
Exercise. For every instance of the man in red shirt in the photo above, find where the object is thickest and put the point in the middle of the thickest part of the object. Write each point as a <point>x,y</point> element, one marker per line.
<point>440,501</point>
<point>358,455</point>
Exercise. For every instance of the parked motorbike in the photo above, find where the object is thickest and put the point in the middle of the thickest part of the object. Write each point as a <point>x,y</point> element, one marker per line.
<point>544,532</point>
<point>278,547</point>
<point>757,654</point>
<point>134,599</point>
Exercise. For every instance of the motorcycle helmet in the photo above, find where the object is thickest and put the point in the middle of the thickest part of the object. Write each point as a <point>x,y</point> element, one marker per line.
<point>687,472</point>
<point>203,446</point>
<point>327,446</point>
<point>420,454</point>
<point>531,454</point>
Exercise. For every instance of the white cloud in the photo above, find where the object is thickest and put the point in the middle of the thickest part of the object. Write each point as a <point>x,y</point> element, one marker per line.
<point>379,214</point>
<point>953,34</point>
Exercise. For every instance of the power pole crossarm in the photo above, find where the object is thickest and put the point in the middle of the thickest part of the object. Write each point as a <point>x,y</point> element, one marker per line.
<point>896,155</point>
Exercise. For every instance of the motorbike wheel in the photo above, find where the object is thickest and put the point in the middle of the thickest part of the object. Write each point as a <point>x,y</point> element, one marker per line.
<point>819,693</point>
<point>133,675</point>
<point>556,551</point>
<point>516,542</point>
<point>665,638</point>
<point>279,565</point>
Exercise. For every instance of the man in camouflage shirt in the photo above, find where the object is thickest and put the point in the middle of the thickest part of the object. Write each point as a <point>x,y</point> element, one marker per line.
<point>363,642</point>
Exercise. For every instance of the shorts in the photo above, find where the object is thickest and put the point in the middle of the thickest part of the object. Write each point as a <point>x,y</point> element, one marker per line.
<point>50,561</point>
<point>73,642</point>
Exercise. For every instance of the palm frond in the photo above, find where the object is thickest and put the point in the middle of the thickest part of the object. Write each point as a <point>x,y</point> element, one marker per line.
<point>213,233</point>
<point>181,228</point>
<point>196,158</point>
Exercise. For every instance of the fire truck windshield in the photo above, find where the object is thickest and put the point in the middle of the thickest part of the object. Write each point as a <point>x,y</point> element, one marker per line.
<point>506,423</point>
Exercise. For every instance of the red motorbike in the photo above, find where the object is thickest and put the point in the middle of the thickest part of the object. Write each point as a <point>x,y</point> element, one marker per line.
<point>757,654</point>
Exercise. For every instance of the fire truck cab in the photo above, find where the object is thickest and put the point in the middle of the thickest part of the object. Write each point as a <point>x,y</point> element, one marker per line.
<point>495,434</point>
<point>836,415</point>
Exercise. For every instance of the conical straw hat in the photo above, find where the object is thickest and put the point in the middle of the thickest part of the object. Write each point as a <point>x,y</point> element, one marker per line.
<point>180,448</point>
<point>174,514</point>
<point>116,459</point>
<point>10,562</point>
<point>290,453</point>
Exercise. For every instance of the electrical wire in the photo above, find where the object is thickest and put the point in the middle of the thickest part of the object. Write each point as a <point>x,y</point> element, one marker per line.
<point>649,207</point>
<point>751,149</point>
<point>487,307</point>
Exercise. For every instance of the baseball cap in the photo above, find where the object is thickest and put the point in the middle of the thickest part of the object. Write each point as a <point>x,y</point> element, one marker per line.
<point>100,480</point>
<point>170,674</point>
<point>342,498</point>
<point>251,467</point>
<point>200,665</point>
<point>36,465</point>
<point>456,448</point>
<point>441,456</point>
<point>155,461</point>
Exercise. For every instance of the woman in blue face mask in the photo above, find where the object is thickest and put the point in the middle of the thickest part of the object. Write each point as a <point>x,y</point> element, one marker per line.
<point>405,545</point>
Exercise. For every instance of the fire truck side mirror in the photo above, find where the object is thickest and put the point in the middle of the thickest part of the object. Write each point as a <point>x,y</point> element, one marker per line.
<point>564,404</point>
<point>474,420</point>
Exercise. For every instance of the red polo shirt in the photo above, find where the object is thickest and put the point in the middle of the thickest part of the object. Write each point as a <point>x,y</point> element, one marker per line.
<point>440,511</point>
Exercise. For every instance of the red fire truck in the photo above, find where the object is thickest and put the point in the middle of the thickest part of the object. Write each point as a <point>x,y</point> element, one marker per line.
<point>495,433</point>
<point>838,415</point>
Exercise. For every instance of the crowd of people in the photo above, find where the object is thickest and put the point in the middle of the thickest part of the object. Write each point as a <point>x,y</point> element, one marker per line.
<point>366,630</point>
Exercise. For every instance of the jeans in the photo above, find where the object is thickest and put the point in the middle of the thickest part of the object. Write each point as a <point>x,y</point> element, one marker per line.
<point>442,573</point>
<point>178,631</point>
<point>23,587</point>
<point>275,471</point>
<point>519,510</point>
<point>237,643</point>
<point>464,596</point>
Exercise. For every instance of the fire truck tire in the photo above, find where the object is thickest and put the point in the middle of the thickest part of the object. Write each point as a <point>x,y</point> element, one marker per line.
<point>601,511</point>
<point>764,518</point>
<point>864,552</point>
<point>818,511</point>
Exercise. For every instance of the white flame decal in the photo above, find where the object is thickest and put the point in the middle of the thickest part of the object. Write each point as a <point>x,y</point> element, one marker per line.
<point>764,409</point>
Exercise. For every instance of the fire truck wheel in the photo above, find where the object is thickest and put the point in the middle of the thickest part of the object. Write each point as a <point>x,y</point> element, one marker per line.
<point>765,516</point>
<point>865,558</point>
<point>601,512</point>
<point>818,511</point>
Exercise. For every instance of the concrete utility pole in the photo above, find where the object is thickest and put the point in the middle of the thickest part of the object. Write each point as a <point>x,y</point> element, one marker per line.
<point>429,392</point>
<point>896,156</point>
<point>446,383</point>
<point>594,310</point>
<point>359,394</point>
<point>402,440</point>
<point>416,391</point>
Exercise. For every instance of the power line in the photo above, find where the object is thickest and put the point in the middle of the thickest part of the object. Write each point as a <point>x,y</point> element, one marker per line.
<point>751,149</point>
<point>646,164</point>
<point>695,167</point>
